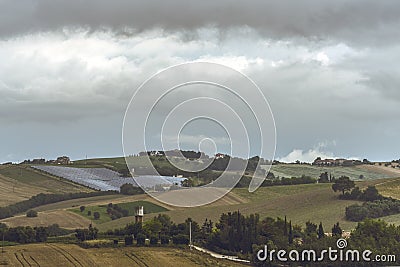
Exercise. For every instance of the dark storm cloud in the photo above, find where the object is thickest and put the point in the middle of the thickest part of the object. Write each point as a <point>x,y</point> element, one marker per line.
<point>371,22</point>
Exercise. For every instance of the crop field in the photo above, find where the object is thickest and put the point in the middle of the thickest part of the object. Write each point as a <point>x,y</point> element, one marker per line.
<point>300,203</point>
<point>63,218</point>
<point>12,191</point>
<point>390,188</point>
<point>129,206</point>
<point>51,254</point>
<point>368,171</point>
<point>19,183</point>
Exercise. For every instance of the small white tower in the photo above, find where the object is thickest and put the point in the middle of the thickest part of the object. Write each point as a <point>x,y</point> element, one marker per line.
<point>139,213</point>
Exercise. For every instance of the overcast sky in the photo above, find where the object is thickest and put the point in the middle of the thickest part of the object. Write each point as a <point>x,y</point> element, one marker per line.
<point>329,69</point>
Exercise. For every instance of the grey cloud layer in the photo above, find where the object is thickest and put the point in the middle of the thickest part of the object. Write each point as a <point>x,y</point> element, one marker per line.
<point>366,22</point>
<point>329,69</point>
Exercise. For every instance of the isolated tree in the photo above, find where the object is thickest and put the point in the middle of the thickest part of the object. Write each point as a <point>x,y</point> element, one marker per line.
<point>140,239</point>
<point>31,213</point>
<point>336,230</point>
<point>128,240</point>
<point>343,184</point>
<point>271,176</point>
<point>82,208</point>
<point>371,194</point>
<point>321,233</point>
<point>311,229</point>
<point>96,215</point>
<point>285,230</point>
<point>323,178</point>
<point>89,213</point>
<point>129,189</point>
<point>187,183</point>
<point>290,237</point>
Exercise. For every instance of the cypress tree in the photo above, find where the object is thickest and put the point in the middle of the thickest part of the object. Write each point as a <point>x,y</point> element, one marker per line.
<point>285,227</point>
<point>290,238</point>
<point>321,233</point>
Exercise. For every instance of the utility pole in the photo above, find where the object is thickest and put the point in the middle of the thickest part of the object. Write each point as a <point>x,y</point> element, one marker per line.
<point>2,244</point>
<point>190,235</point>
<point>2,249</point>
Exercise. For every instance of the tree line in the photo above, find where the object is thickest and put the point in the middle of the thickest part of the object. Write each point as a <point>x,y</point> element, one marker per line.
<point>28,234</point>
<point>243,235</point>
<point>43,199</point>
<point>375,205</point>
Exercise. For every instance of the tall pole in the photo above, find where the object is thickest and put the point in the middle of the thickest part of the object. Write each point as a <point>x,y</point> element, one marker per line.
<point>190,234</point>
<point>2,249</point>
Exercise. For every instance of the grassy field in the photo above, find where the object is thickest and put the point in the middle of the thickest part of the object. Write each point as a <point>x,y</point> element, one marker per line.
<point>130,206</point>
<point>63,218</point>
<point>20,182</point>
<point>73,255</point>
<point>300,203</point>
<point>390,188</point>
<point>354,172</point>
<point>281,170</point>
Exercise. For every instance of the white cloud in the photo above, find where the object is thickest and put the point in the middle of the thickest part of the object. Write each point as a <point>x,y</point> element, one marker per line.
<point>305,156</point>
<point>320,150</point>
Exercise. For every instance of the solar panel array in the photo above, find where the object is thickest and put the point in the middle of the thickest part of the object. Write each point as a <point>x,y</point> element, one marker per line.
<point>104,179</point>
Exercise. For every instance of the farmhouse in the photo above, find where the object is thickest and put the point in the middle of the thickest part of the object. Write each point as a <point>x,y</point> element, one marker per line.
<point>63,160</point>
<point>335,162</point>
<point>219,156</point>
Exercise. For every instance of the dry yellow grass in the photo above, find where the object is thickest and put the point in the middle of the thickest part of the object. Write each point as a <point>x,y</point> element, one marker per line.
<point>383,169</point>
<point>73,255</point>
<point>390,188</point>
<point>63,218</point>
<point>12,191</point>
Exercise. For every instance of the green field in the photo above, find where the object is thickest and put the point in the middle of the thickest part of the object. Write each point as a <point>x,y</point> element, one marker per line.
<point>24,174</point>
<point>300,203</point>
<point>130,206</point>
<point>27,175</point>
<point>281,170</point>
<point>354,172</point>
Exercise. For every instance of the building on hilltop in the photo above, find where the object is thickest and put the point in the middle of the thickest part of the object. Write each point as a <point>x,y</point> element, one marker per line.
<point>335,162</point>
<point>64,160</point>
<point>219,156</point>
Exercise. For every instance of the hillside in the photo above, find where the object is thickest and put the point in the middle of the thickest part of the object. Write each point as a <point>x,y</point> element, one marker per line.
<point>368,171</point>
<point>281,170</point>
<point>300,203</point>
<point>20,182</point>
<point>390,188</point>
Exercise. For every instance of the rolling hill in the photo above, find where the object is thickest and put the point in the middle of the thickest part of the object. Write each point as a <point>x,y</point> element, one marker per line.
<point>20,182</point>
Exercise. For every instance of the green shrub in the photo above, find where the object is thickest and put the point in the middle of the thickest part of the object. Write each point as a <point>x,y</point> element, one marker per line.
<point>31,213</point>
